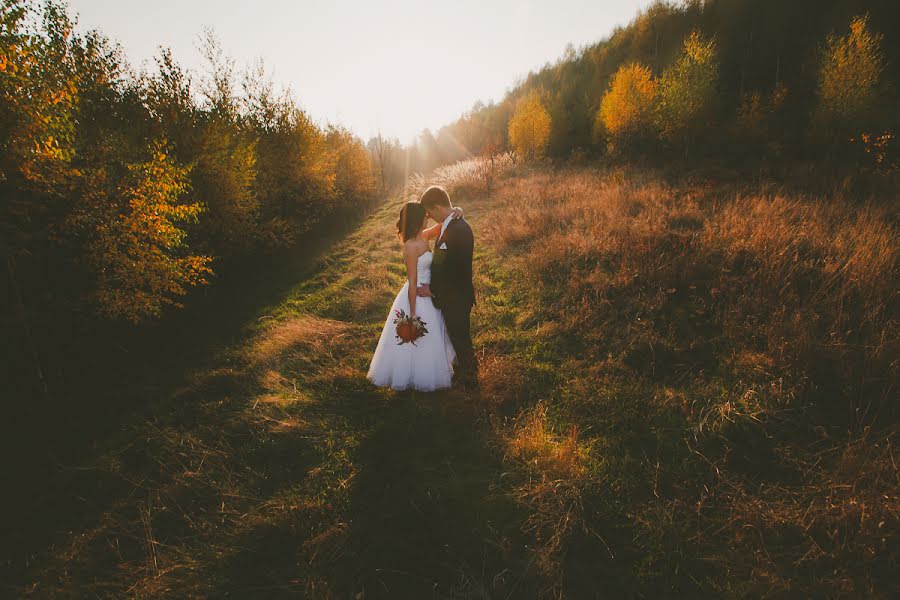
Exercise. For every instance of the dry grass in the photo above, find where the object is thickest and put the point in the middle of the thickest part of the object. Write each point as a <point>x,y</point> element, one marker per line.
<point>554,490</point>
<point>842,519</point>
<point>744,344</point>
<point>808,285</point>
<point>307,334</point>
<point>503,379</point>
<point>823,296</point>
<point>464,178</point>
<point>369,298</point>
<point>687,391</point>
<point>533,442</point>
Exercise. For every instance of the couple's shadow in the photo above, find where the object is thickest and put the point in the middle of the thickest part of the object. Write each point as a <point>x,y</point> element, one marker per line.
<point>428,519</point>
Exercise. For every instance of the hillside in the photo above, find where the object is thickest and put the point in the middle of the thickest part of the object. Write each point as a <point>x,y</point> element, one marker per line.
<point>764,100</point>
<point>686,390</point>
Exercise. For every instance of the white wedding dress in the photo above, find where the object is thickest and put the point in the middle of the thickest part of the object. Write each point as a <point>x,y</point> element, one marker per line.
<point>425,366</point>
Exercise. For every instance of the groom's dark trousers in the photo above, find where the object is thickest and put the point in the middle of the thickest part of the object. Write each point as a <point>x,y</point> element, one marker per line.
<point>457,318</point>
<point>454,293</point>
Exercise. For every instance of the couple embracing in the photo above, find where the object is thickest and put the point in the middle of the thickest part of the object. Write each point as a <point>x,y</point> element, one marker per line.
<point>435,302</point>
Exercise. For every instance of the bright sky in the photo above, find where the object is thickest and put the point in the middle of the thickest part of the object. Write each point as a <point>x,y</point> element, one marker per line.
<point>394,66</point>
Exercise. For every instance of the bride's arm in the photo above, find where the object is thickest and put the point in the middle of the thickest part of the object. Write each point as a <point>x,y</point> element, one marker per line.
<point>434,231</point>
<point>412,264</point>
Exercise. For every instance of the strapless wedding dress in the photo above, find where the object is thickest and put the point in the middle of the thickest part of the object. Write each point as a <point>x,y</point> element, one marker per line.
<point>425,366</point>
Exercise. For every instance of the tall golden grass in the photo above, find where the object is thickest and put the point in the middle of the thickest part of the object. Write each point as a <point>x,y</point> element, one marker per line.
<point>753,334</point>
<point>807,285</point>
<point>462,178</point>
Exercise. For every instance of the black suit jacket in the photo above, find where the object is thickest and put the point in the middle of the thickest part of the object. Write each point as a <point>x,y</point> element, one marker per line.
<point>451,268</point>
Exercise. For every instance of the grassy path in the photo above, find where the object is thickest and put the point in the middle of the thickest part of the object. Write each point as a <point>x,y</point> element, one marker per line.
<point>281,471</point>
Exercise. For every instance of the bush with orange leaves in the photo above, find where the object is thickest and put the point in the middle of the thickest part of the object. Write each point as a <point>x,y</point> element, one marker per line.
<point>139,254</point>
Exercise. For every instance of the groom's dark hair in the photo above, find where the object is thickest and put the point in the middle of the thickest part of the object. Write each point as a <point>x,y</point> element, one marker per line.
<point>435,196</point>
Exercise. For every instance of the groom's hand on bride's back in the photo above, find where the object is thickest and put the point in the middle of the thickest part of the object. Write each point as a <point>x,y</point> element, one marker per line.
<point>423,291</point>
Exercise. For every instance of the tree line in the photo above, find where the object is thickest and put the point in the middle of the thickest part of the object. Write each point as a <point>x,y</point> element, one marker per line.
<point>123,190</point>
<point>745,81</point>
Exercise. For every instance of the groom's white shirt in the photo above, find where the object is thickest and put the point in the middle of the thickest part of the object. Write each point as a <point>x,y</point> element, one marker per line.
<point>444,226</point>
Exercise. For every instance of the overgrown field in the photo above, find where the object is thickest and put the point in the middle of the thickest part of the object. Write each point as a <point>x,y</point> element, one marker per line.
<point>687,390</point>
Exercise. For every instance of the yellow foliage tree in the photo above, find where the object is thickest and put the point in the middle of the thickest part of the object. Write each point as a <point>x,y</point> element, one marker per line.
<point>626,111</point>
<point>224,178</point>
<point>36,98</point>
<point>139,254</point>
<point>529,127</point>
<point>849,74</point>
<point>687,90</point>
<point>354,179</point>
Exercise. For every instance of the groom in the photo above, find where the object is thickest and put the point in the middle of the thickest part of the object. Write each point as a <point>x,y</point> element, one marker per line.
<point>451,287</point>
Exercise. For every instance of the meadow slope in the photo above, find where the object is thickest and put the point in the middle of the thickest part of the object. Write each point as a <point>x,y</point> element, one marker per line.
<point>655,419</point>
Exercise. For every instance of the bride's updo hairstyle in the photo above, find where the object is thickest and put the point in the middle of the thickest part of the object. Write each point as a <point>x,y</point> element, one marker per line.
<point>412,217</point>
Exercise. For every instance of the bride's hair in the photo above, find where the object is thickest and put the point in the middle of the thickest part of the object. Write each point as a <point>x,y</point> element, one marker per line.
<point>412,217</point>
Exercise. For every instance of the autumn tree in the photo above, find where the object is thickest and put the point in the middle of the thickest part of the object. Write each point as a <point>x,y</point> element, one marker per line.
<point>687,92</point>
<point>37,131</point>
<point>224,177</point>
<point>296,172</point>
<point>37,125</point>
<point>100,223</point>
<point>626,111</point>
<point>384,153</point>
<point>529,127</point>
<point>354,180</point>
<point>849,75</point>
<point>226,165</point>
<point>139,255</point>
<point>168,95</point>
<point>490,163</point>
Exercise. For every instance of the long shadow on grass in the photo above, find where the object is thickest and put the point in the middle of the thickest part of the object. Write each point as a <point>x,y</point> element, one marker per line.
<point>427,517</point>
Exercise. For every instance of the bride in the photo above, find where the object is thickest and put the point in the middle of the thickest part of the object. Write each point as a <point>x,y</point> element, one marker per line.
<point>427,365</point>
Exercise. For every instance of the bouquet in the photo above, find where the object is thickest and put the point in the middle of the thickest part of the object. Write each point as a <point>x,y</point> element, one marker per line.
<point>409,329</point>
